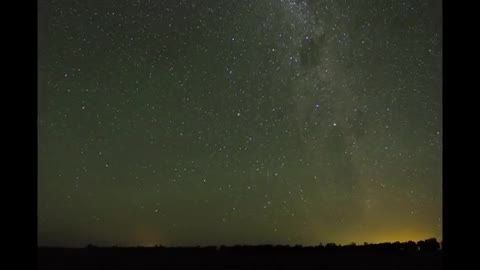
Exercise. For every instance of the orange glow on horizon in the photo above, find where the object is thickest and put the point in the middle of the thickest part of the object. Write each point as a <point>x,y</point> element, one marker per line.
<point>393,236</point>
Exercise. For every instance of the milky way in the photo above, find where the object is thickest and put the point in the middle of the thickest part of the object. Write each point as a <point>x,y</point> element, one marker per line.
<point>239,122</point>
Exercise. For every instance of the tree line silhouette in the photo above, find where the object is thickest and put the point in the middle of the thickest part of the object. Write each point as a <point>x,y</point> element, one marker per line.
<point>428,245</point>
<point>425,254</point>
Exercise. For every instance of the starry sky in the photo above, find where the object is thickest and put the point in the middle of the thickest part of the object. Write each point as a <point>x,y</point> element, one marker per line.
<point>239,122</point>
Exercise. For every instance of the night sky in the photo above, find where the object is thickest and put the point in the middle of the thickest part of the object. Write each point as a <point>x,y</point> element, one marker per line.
<point>239,122</point>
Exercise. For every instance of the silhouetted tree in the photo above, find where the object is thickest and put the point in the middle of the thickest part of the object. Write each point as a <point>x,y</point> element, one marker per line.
<point>410,246</point>
<point>331,245</point>
<point>429,245</point>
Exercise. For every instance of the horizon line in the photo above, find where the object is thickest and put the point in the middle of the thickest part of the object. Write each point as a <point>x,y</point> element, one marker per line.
<point>323,244</point>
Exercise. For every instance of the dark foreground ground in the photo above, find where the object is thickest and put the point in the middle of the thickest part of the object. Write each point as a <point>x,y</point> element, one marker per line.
<point>259,257</point>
